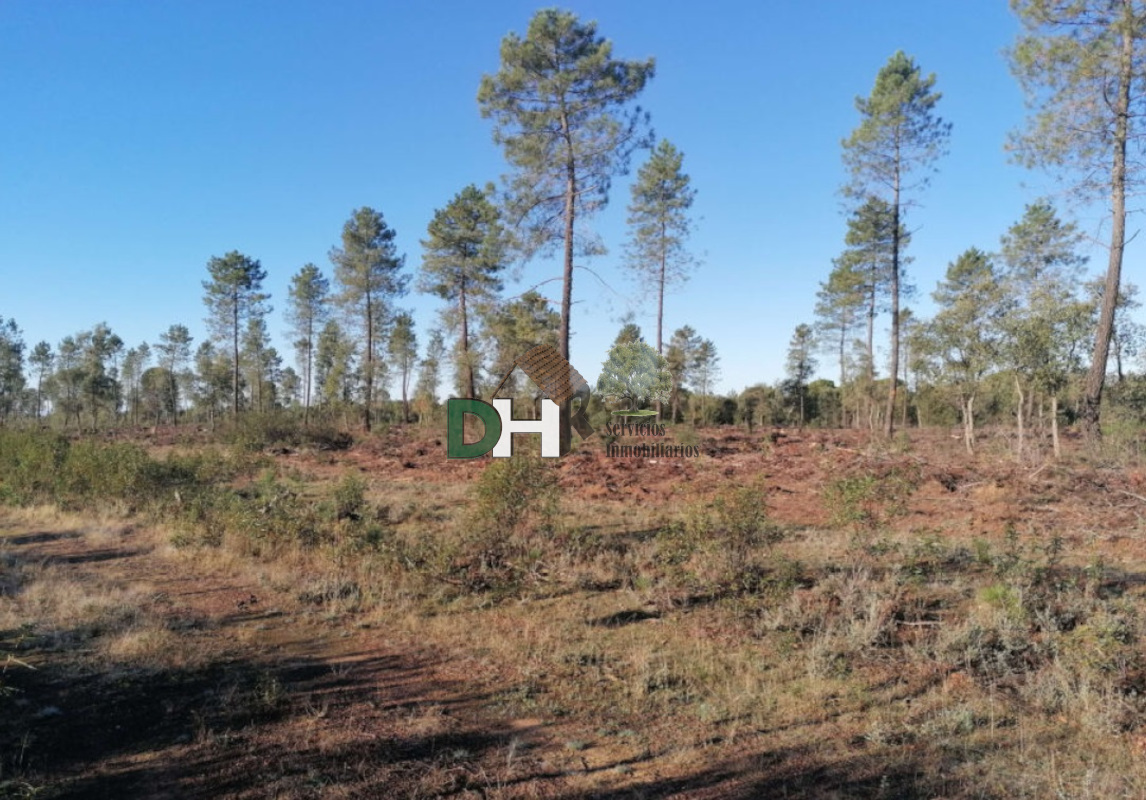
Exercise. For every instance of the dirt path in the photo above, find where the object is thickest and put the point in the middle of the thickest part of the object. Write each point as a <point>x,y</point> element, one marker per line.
<point>256,695</point>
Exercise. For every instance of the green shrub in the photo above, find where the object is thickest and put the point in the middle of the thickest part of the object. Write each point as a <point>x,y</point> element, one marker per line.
<point>349,497</point>
<point>741,525</point>
<point>513,493</point>
<point>256,432</point>
<point>514,500</point>
<point>30,465</point>
<point>679,540</point>
<point>869,501</point>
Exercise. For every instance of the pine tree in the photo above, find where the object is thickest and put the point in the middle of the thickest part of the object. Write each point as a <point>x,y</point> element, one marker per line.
<point>706,368</point>
<point>1082,67</point>
<point>1042,268</point>
<point>333,364</point>
<point>630,332</point>
<point>290,387</point>
<point>403,351</point>
<point>871,255</point>
<point>464,254</point>
<point>307,311</point>
<point>838,304</point>
<point>680,360</point>
<point>99,349</point>
<point>233,297</point>
<point>68,381</point>
<point>515,327</point>
<point>157,393</point>
<point>11,367</point>
<point>559,106</point>
<point>367,272</point>
<point>801,364</point>
<point>262,363</point>
<point>41,358</point>
<point>214,375</point>
<point>174,350</point>
<point>135,363</point>
<point>890,153</point>
<point>633,373</point>
<point>659,224</point>
<point>429,376</point>
<point>966,329</point>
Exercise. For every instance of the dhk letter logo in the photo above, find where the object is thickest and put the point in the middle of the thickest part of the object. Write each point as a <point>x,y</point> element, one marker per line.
<point>499,428</point>
<point>558,382</point>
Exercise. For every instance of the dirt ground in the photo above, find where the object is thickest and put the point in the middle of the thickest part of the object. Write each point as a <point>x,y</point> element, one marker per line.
<point>264,692</point>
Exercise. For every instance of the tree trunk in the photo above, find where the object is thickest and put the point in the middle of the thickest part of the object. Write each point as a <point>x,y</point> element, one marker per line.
<point>969,424</point>
<point>1054,426</point>
<point>889,422</point>
<point>1096,376</point>
<point>309,371</point>
<point>1019,417</point>
<point>1117,356</point>
<point>471,388</point>
<point>870,389</point>
<point>661,307</point>
<point>906,394</point>
<point>235,354</point>
<point>843,375</point>
<point>567,289</point>
<point>369,360</point>
<point>406,392</point>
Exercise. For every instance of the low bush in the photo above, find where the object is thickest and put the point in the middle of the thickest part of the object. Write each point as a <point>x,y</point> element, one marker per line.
<point>514,507</point>
<point>869,501</point>
<point>257,432</point>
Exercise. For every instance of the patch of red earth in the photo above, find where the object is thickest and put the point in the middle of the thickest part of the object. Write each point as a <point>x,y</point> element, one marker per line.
<point>280,704</point>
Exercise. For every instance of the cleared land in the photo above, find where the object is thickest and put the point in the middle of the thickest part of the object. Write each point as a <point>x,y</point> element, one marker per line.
<point>902,622</point>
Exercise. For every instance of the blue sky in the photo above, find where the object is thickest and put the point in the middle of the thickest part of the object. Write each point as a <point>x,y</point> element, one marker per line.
<point>142,138</point>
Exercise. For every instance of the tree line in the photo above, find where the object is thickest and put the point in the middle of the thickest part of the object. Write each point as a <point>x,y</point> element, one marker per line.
<point>562,108</point>
<point>1024,313</point>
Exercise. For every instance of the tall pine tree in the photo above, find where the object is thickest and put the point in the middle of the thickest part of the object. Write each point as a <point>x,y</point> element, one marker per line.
<point>234,296</point>
<point>891,153</point>
<point>660,226</point>
<point>464,254</point>
<point>1082,66</point>
<point>367,272</point>
<point>307,311</point>
<point>560,107</point>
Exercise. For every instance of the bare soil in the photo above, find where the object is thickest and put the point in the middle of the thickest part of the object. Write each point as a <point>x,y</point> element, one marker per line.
<point>266,693</point>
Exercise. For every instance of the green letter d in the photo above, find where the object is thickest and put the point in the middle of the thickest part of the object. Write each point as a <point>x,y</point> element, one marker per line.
<point>456,410</point>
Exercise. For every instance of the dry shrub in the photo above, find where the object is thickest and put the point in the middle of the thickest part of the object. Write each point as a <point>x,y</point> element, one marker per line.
<point>506,539</point>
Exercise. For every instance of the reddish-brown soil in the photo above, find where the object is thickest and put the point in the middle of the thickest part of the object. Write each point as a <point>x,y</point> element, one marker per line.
<point>287,701</point>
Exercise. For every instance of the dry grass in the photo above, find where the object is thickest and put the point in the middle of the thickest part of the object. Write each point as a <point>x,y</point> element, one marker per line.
<point>898,649</point>
<point>59,606</point>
